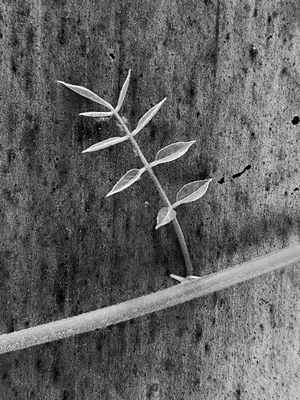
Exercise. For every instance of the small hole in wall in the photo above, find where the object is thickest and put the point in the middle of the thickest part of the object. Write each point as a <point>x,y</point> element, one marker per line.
<point>112,56</point>
<point>295,120</point>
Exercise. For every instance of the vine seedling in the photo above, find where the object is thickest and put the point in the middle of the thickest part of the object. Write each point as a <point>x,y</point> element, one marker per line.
<point>188,193</point>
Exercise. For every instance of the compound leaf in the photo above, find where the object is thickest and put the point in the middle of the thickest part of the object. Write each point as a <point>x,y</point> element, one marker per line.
<point>87,93</point>
<point>192,191</point>
<point>148,116</point>
<point>164,216</point>
<point>105,143</point>
<point>127,180</point>
<point>123,92</point>
<point>172,152</point>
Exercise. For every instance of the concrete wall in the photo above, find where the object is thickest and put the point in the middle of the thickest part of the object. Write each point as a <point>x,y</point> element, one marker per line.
<point>230,71</point>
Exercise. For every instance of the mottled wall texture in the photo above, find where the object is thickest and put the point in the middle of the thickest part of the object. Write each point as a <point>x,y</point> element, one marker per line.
<point>230,72</point>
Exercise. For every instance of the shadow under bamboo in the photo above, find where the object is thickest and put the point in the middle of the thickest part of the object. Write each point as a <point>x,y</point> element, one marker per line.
<point>150,303</point>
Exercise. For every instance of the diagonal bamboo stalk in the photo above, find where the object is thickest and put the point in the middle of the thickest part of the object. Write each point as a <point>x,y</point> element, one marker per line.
<point>150,303</point>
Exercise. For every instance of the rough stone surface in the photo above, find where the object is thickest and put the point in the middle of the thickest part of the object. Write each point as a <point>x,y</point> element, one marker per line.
<point>230,70</point>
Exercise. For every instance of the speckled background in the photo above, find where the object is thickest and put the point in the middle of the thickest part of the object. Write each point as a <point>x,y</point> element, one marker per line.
<point>230,72</point>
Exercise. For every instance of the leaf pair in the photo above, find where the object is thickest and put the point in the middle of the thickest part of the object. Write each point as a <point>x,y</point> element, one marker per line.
<point>190,192</point>
<point>94,97</point>
<point>167,154</point>
<point>104,114</point>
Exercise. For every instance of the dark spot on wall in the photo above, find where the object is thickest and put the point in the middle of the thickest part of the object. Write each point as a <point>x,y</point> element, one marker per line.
<point>30,38</point>
<point>272,316</point>
<point>153,327</point>
<point>295,120</point>
<point>238,394</point>
<point>68,395</point>
<point>296,189</point>
<point>261,327</point>
<point>152,132</point>
<point>11,326</point>
<point>192,91</point>
<point>112,56</point>
<point>214,298</point>
<point>199,230</point>
<point>90,200</point>
<point>11,155</point>
<point>4,376</point>
<point>207,348</point>
<point>221,302</point>
<point>13,64</point>
<point>255,12</point>
<point>284,71</point>
<point>241,173</point>
<point>62,36</point>
<point>221,181</point>
<point>198,333</point>
<point>55,373</point>
<point>61,285</point>
<point>38,365</point>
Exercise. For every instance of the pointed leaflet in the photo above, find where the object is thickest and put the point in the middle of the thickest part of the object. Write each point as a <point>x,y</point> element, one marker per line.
<point>172,152</point>
<point>164,216</point>
<point>96,114</point>
<point>105,143</point>
<point>192,191</point>
<point>87,93</point>
<point>148,116</point>
<point>123,92</point>
<point>128,179</point>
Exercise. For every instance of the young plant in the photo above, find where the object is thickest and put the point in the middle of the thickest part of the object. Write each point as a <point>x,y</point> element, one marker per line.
<point>188,193</point>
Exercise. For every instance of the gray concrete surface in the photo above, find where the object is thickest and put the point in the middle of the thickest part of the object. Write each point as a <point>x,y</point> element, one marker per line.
<point>230,71</point>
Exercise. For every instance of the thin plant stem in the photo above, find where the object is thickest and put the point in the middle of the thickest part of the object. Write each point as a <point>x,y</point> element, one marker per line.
<point>163,195</point>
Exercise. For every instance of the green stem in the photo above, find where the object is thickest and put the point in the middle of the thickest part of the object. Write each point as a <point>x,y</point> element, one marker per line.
<point>164,197</point>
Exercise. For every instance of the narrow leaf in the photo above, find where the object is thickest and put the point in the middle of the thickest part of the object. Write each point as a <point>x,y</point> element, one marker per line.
<point>96,114</point>
<point>105,143</point>
<point>164,216</point>
<point>148,116</point>
<point>87,93</point>
<point>128,179</point>
<point>192,191</point>
<point>123,92</point>
<point>172,152</point>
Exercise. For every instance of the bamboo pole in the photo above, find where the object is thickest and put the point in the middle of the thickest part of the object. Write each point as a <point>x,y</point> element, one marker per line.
<point>188,290</point>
